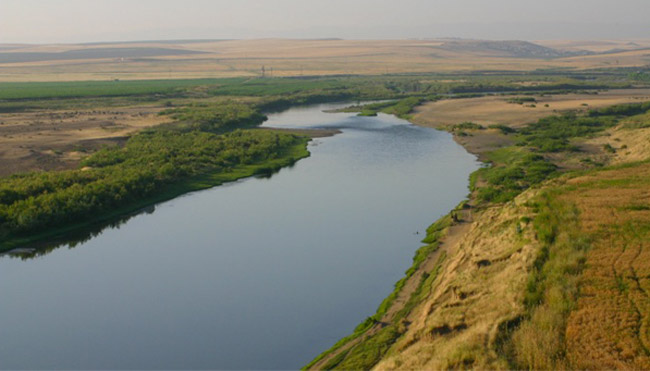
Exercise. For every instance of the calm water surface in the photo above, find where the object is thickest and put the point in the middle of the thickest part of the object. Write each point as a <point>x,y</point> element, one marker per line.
<point>261,273</point>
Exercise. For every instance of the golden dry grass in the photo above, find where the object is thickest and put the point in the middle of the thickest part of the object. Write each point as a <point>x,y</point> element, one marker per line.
<point>480,287</point>
<point>51,140</point>
<point>598,46</point>
<point>496,110</point>
<point>297,57</point>
<point>630,144</point>
<point>610,327</point>
<point>459,323</point>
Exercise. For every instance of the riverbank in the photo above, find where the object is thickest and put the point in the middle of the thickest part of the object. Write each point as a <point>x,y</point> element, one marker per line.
<point>469,304</point>
<point>190,259</point>
<point>287,157</point>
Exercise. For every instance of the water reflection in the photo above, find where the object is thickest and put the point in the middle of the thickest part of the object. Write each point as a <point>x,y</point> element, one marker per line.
<point>257,274</point>
<point>81,236</point>
<point>72,239</point>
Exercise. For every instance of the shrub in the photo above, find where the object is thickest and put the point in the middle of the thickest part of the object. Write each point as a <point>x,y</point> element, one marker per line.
<point>503,128</point>
<point>468,126</point>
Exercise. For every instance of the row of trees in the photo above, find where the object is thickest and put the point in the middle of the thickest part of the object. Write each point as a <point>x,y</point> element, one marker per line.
<point>119,176</point>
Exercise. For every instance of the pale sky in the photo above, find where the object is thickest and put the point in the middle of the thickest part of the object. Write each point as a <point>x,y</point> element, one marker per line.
<point>72,21</point>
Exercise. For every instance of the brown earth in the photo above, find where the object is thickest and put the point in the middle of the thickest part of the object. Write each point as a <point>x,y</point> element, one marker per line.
<point>610,328</point>
<point>54,140</point>
<point>480,286</point>
<point>496,109</point>
<point>283,57</point>
<point>493,110</point>
<point>459,323</point>
<point>43,140</point>
<point>629,142</point>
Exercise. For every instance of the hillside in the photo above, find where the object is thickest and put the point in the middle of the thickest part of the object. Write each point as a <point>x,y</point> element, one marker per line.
<point>541,269</point>
<point>511,48</point>
<point>183,59</point>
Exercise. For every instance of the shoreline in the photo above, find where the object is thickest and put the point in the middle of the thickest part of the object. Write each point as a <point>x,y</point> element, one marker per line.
<point>494,242</point>
<point>42,240</point>
<point>442,235</point>
<point>206,181</point>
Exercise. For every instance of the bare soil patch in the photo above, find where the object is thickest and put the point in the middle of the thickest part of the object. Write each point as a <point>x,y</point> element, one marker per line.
<point>497,110</point>
<point>57,140</point>
<point>493,110</point>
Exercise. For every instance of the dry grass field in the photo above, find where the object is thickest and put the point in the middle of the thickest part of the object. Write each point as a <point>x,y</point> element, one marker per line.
<point>497,110</point>
<point>479,287</point>
<point>284,57</point>
<point>479,290</point>
<point>54,140</point>
<point>610,328</point>
<point>493,110</point>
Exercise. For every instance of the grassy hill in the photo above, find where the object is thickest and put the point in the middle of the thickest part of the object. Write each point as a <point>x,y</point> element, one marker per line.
<point>550,271</point>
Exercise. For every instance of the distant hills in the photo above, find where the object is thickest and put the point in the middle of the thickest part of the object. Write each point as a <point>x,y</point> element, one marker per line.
<point>510,48</point>
<point>91,53</point>
<point>182,59</point>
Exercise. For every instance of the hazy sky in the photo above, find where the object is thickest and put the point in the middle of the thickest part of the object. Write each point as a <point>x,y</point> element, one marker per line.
<point>47,21</point>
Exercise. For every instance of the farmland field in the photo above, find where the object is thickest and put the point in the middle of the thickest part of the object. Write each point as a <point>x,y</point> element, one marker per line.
<point>284,57</point>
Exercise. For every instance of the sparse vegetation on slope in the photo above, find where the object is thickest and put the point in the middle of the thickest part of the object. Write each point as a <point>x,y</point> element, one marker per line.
<point>547,238</point>
<point>371,339</point>
<point>587,300</point>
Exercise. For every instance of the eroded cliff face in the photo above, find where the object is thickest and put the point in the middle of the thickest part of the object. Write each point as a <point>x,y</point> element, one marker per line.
<point>585,256</point>
<point>479,291</point>
<point>557,278</point>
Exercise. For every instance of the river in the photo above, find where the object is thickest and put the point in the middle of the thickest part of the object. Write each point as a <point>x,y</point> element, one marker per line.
<point>260,273</point>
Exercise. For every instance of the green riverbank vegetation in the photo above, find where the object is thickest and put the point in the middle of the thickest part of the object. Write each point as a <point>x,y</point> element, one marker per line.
<point>535,338</point>
<point>154,164</point>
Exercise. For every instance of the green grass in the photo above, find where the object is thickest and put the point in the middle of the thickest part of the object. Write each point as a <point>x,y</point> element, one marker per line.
<point>513,171</point>
<point>467,126</point>
<point>76,89</point>
<point>215,117</point>
<point>622,110</point>
<point>503,128</point>
<point>275,86</point>
<point>552,290</point>
<point>288,156</point>
<point>206,145</point>
<point>423,290</point>
<point>365,354</point>
<point>517,168</point>
<point>537,341</point>
<point>554,133</point>
<point>368,352</point>
<point>640,121</point>
<point>401,108</point>
<point>522,100</point>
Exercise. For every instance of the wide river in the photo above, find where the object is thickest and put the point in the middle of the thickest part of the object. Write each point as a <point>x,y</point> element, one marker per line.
<point>256,274</point>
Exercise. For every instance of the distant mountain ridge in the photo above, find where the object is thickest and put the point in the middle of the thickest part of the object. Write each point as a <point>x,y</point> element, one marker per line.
<point>92,53</point>
<point>510,48</point>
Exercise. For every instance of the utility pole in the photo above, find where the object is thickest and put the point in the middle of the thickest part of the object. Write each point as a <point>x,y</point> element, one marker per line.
<point>263,72</point>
